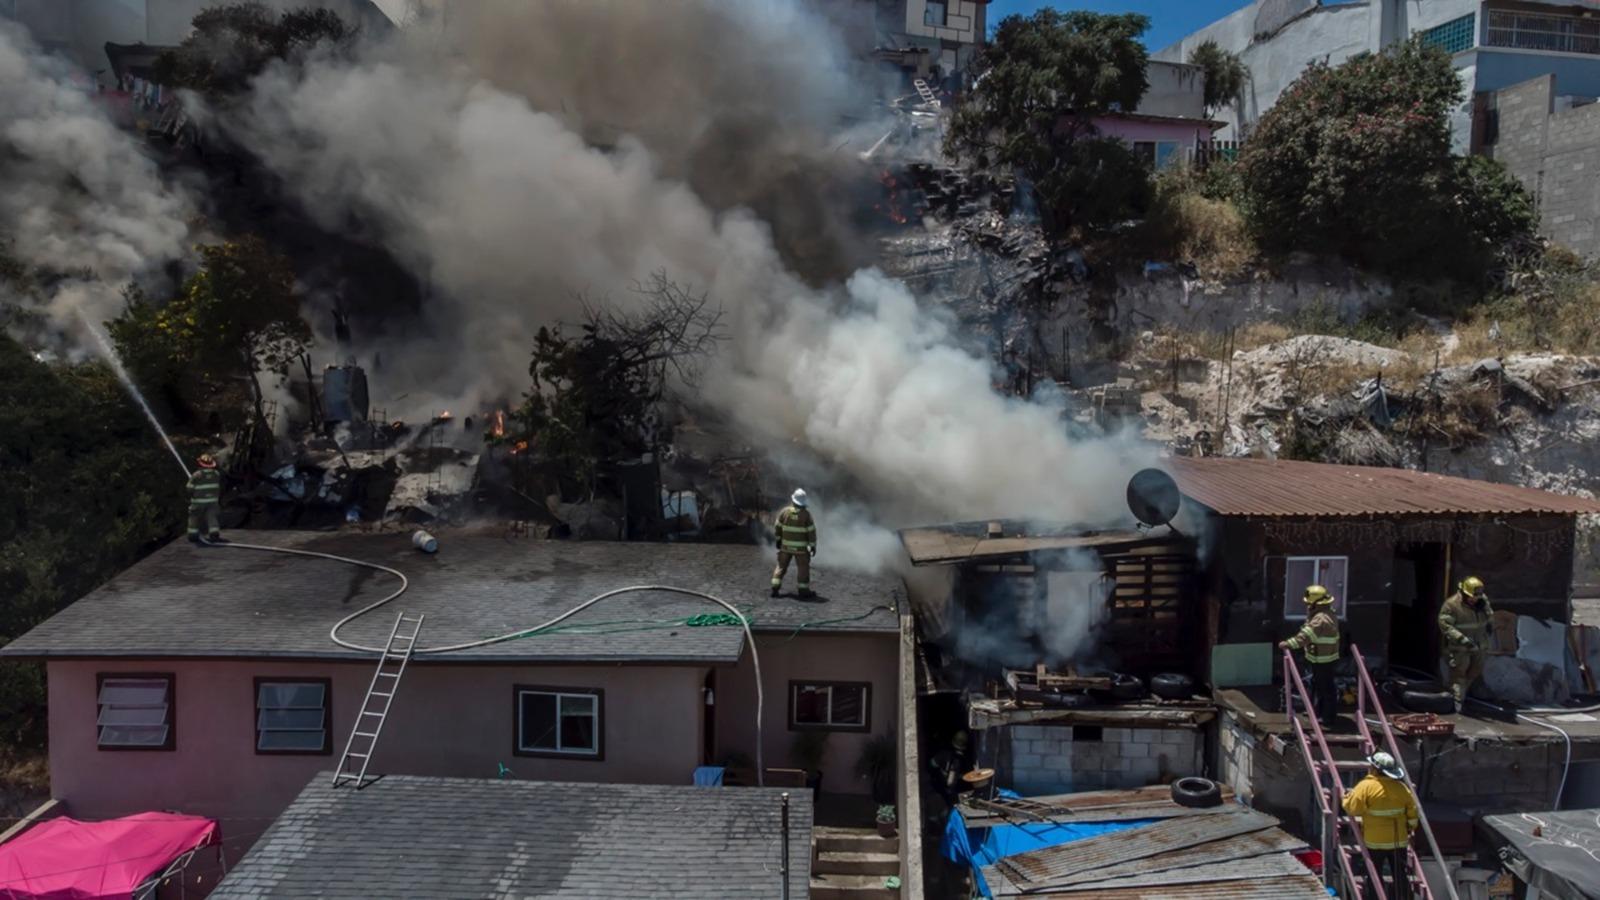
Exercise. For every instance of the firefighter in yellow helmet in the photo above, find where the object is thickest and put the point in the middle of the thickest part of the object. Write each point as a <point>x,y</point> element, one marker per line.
<point>796,534</point>
<point>1464,622</point>
<point>1319,639</point>
<point>205,499</point>
<point>1388,813</point>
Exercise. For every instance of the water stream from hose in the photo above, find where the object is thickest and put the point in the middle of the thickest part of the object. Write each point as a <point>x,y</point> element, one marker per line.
<point>133,389</point>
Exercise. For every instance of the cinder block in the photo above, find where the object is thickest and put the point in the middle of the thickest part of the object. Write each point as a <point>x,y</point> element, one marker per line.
<point>1134,751</point>
<point>1022,761</point>
<point>1114,735</point>
<point>1025,732</point>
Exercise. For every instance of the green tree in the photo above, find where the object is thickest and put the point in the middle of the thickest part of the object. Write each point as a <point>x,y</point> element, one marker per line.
<point>1225,74</point>
<point>230,45</point>
<point>236,316</point>
<point>91,491</point>
<point>1356,159</point>
<point>1037,88</point>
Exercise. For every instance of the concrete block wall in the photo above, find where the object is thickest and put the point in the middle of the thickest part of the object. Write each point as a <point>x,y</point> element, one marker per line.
<point>1556,156</point>
<point>1236,751</point>
<point>1046,759</point>
<point>961,22</point>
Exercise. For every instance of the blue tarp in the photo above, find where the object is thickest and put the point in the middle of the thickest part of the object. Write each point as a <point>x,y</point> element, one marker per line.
<point>979,847</point>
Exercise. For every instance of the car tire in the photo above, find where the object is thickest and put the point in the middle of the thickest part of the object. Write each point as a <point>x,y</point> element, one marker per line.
<point>1428,701</point>
<point>1196,793</point>
<point>1399,684</point>
<point>1172,686</point>
<point>1125,687</point>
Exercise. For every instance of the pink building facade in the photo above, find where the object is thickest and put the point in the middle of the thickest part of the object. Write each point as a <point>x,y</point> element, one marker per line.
<point>1163,140</point>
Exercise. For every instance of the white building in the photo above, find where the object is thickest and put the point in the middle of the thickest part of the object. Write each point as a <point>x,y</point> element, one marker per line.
<point>1495,44</point>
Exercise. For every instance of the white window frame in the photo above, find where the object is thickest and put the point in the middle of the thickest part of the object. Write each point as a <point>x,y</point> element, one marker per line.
<point>1294,608</point>
<point>796,687</point>
<point>108,713</point>
<point>264,712</point>
<point>593,696</point>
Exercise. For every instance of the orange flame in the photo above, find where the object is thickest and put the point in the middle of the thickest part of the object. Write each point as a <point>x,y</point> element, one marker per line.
<point>518,447</point>
<point>498,429</point>
<point>892,210</point>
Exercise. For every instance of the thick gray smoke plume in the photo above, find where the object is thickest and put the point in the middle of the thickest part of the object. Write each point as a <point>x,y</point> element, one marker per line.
<point>78,199</point>
<point>474,156</point>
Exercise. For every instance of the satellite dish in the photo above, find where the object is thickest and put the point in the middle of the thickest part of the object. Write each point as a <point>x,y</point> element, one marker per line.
<point>1153,496</point>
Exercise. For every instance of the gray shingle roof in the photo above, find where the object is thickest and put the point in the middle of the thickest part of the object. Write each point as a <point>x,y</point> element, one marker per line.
<point>459,837</point>
<point>188,601</point>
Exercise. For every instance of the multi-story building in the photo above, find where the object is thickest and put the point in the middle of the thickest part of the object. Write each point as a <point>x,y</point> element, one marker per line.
<point>1495,44</point>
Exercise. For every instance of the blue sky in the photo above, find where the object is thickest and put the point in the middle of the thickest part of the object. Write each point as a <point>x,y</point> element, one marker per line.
<point>1169,19</point>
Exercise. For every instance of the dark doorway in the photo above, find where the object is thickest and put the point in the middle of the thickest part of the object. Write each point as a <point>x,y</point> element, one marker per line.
<point>709,739</point>
<point>1418,592</point>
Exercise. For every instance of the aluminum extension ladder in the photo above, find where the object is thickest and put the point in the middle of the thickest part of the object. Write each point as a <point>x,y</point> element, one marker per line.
<point>1344,851</point>
<point>375,707</point>
<point>926,93</point>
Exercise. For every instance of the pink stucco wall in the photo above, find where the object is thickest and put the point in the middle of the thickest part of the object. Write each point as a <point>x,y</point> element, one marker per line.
<point>815,657</point>
<point>452,720</point>
<point>1131,130</point>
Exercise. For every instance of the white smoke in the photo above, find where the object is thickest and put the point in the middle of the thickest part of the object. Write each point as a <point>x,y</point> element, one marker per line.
<point>79,201</point>
<point>476,165</point>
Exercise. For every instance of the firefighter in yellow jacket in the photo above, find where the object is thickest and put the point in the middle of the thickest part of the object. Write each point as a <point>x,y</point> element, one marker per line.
<point>796,535</point>
<point>1388,813</point>
<point>1464,622</point>
<point>1319,638</point>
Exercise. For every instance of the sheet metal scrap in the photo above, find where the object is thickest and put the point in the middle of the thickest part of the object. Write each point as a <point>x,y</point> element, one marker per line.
<point>1256,854</point>
<point>1281,887</point>
<point>1054,864</point>
<point>1090,806</point>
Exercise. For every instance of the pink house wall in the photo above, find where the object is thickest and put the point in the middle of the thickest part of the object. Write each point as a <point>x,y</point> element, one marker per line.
<point>452,720</point>
<point>1131,130</point>
<point>872,658</point>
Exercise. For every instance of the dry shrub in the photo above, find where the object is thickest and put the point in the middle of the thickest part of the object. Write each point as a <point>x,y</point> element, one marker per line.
<point>1210,233</point>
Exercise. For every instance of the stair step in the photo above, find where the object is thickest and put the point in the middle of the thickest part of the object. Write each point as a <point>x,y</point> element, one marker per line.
<point>851,887</point>
<point>852,840</point>
<point>838,862</point>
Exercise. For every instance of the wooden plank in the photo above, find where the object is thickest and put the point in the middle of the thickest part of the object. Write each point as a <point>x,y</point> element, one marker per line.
<point>47,810</point>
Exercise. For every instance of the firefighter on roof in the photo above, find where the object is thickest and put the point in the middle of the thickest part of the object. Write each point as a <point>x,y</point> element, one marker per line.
<point>1319,638</point>
<point>205,496</point>
<point>1464,624</point>
<point>796,535</point>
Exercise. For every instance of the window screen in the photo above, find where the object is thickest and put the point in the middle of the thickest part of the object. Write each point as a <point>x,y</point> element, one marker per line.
<point>550,721</point>
<point>1301,572</point>
<point>135,712</point>
<point>292,717</point>
<point>833,706</point>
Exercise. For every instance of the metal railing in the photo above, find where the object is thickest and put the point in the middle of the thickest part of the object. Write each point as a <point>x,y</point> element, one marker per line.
<point>1541,31</point>
<point>1329,791</point>
<point>1367,693</point>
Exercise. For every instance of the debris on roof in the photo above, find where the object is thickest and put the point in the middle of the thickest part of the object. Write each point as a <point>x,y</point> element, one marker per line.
<point>1262,487</point>
<point>974,541</point>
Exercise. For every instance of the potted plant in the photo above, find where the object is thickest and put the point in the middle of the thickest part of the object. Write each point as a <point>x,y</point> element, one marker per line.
<point>807,750</point>
<point>876,764</point>
<point>886,820</point>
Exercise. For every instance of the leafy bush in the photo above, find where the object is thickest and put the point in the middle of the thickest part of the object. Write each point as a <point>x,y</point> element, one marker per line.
<point>231,44</point>
<point>1206,230</point>
<point>99,492</point>
<point>1038,86</point>
<point>1356,159</point>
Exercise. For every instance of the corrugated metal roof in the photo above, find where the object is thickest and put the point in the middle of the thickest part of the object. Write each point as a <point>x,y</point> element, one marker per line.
<point>1089,806</point>
<point>969,542</point>
<point>1263,852</point>
<point>1283,887</point>
<point>1056,864</point>
<point>1262,487</point>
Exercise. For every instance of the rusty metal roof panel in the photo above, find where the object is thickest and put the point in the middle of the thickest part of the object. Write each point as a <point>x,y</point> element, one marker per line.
<point>1262,487</point>
<point>1281,887</point>
<point>969,541</point>
<point>1056,864</point>
<point>1261,852</point>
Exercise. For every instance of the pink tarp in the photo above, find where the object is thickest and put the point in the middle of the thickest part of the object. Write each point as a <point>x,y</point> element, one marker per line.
<point>64,859</point>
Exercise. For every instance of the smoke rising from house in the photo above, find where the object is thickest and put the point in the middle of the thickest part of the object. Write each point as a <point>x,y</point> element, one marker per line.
<point>635,138</point>
<point>79,202</point>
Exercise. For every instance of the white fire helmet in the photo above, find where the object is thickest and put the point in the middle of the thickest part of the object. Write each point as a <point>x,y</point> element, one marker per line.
<point>1385,763</point>
<point>798,498</point>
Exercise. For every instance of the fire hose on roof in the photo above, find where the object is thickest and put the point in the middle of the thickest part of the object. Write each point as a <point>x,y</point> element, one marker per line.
<point>333,634</point>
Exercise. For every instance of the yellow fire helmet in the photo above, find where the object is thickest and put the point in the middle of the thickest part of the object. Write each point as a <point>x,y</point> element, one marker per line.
<point>1472,586</point>
<point>1317,595</point>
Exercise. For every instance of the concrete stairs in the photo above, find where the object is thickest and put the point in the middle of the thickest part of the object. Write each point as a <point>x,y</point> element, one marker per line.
<point>852,863</point>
